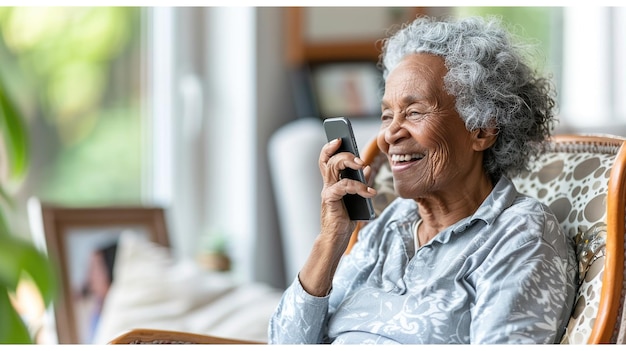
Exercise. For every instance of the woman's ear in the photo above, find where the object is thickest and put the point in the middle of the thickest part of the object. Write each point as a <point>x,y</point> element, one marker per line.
<point>484,138</point>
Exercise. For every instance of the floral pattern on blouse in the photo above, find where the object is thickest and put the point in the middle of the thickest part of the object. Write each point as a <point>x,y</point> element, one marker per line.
<point>506,274</point>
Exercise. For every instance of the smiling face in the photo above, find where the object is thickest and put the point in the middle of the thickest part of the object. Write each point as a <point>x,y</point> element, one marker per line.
<point>429,148</point>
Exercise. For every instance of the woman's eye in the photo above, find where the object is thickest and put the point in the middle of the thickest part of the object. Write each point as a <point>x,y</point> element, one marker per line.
<point>414,114</point>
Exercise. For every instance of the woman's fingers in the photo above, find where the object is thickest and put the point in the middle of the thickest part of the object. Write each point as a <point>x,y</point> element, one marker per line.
<point>331,167</point>
<point>328,150</point>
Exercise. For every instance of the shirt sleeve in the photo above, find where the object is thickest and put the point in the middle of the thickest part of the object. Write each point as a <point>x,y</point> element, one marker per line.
<point>299,317</point>
<point>524,291</point>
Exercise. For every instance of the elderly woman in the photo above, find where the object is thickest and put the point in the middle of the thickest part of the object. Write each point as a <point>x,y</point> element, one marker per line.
<point>460,256</point>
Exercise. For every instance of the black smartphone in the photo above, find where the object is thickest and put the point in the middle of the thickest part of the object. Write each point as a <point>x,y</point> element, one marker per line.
<point>358,207</point>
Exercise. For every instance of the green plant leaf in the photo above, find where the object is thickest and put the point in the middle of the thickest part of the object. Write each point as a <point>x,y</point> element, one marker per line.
<point>14,134</point>
<point>18,256</point>
<point>12,327</point>
<point>5,196</point>
<point>4,227</point>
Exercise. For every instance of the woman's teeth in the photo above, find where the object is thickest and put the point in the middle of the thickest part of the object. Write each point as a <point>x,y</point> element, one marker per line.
<point>406,157</point>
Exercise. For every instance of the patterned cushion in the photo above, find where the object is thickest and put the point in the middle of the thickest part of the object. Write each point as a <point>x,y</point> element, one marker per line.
<point>383,183</point>
<point>590,249</point>
<point>575,188</point>
<point>574,185</point>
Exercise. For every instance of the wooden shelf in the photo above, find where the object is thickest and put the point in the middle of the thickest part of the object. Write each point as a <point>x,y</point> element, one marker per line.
<point>300,52</point>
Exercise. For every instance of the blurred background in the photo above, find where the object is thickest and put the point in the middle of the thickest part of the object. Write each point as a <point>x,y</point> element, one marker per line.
<point>174,106</point>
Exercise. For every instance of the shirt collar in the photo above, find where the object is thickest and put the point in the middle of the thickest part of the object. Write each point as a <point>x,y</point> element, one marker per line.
<point>500,198</point>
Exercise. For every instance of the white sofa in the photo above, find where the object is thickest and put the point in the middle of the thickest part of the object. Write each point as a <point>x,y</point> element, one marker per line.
<point>293,155</point>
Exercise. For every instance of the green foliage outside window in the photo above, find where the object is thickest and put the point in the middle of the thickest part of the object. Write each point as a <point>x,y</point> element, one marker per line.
<point>537,26</point>
<point>76,73</point>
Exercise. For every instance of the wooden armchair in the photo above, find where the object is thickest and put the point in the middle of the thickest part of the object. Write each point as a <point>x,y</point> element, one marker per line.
<point>583,179</point>
<point>155,336</point>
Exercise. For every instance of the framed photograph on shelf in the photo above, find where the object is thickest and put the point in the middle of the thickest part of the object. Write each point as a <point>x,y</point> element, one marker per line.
<point>82,243</point>
<point>348,89</point>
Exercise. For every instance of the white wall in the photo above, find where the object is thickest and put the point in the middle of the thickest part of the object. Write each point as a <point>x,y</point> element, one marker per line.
<point>220,91</point>
<point>175,111</point>
<point>231,118</point>
<point>275,108</point>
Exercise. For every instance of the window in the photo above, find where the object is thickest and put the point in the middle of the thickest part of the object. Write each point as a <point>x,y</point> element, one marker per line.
<point>540,26</point>
<point>75,74</point>
<point>594,79</point>
<point>585,52</point>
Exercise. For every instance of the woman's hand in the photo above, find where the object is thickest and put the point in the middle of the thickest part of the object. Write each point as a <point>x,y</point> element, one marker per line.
<point>334,217</point>
<point>336,227</point>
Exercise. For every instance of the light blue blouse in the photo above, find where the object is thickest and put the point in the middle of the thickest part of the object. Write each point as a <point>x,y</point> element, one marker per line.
<point>506,274</point>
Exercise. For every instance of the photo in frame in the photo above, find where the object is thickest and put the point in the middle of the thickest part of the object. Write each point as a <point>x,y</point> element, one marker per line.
<point>81,243</point>
<point>348,89</point>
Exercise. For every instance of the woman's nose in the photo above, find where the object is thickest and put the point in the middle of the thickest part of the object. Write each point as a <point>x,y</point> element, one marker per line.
<point>394,131</point>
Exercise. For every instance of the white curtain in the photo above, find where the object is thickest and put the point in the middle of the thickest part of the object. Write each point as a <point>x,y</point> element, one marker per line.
<point>594,79</point>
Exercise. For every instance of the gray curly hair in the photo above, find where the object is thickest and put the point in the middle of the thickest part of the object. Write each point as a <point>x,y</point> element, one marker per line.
<point>492,84</point>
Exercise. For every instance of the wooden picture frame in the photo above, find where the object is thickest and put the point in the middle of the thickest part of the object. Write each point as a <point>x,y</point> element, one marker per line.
<point>347,89</point>
<point>76,237</point>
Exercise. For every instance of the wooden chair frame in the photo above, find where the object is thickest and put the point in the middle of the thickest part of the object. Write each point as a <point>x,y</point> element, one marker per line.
<point>156,336</point>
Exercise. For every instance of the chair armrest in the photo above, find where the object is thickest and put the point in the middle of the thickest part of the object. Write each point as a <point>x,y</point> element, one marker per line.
<point>155,336</point>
